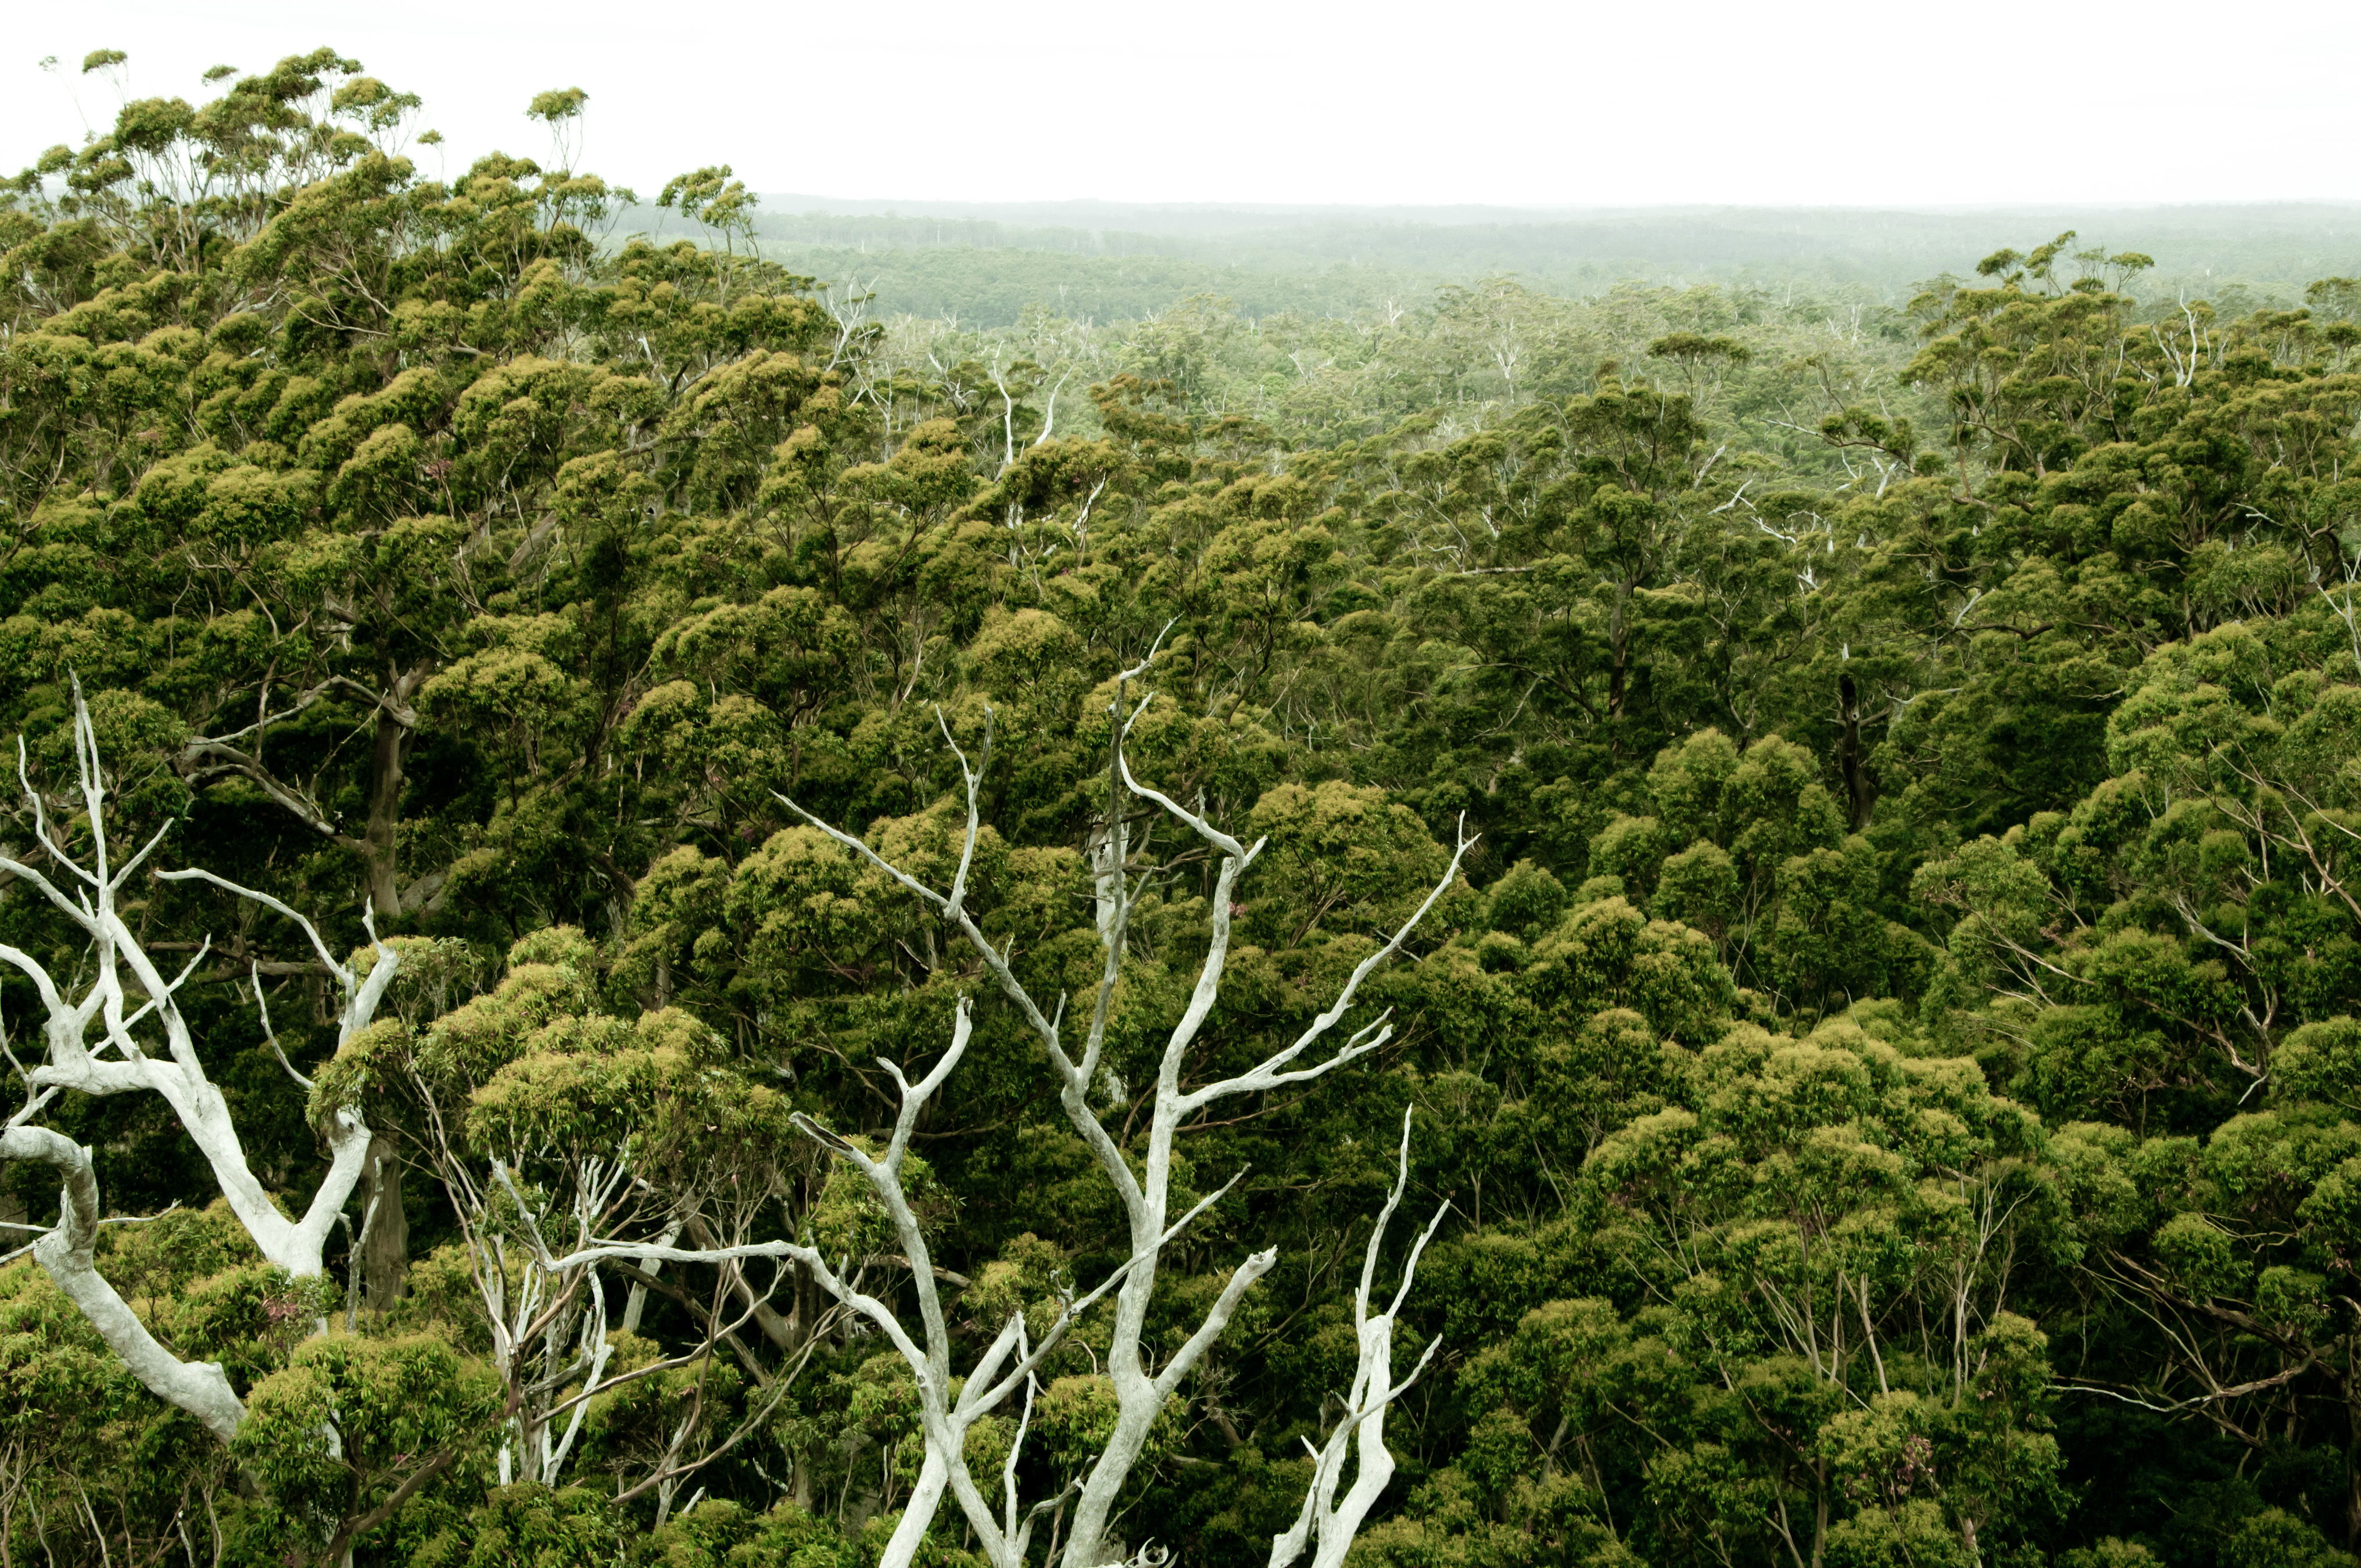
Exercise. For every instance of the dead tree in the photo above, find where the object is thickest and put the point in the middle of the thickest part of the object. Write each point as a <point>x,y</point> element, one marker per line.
<point>1006,1371</point>
<point>145,1044</point>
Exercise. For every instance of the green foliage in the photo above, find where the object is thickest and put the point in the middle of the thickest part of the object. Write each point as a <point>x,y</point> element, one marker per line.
<point>1893,1059</point>
<point>402,1408</point>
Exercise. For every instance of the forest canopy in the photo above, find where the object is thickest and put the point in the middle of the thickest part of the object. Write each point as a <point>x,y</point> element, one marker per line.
<point>654,918</point>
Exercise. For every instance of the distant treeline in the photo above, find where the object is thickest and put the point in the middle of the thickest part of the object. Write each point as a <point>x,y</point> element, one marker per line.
<point>1110,261</point>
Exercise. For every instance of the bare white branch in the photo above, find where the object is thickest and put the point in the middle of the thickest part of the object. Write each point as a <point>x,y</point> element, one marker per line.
<point>1328,1524</point>
<point>1141,1180</point>
<point>200,1387</point>
<point>120,971</point>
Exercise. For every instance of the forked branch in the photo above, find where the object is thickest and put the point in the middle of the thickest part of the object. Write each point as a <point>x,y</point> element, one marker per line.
<point>1144,1188</point>
<point>125,996</point>
<point>1327,1524</point>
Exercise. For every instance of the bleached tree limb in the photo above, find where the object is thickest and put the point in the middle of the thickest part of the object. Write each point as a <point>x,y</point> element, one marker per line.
<point>200,1387</point>
<point>1145,1191</point>
<point>1327,1524</point>
<point>127,993</point>
<point>991,1381</point>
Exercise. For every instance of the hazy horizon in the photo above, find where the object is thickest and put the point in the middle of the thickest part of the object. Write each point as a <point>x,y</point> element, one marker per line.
<point>1514,106</point>
<point>985,262</point>
<point>777,201</point>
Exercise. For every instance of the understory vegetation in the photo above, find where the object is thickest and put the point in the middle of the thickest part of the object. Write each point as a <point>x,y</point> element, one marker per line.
<point>1835,827</point>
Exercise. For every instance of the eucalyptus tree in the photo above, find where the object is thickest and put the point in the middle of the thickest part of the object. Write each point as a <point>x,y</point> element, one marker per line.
<point>301,443</point>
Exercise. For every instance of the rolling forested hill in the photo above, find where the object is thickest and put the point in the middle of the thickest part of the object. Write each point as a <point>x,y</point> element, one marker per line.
<point>662,907</point>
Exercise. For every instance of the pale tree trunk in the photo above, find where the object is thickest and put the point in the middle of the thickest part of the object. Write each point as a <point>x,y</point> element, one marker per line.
<point>1107,851</point>
<point>1145,1191</point>
<point>635,1300</point>
<point>918,1512</point>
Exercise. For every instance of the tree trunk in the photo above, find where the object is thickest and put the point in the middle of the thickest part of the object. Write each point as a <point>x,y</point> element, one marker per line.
<point>918,1513</point>
<point>1861,784</point>
<point>395,720</point>
<point>1106,848</point>
<point>385,1244</point>
<point>67,1253</point>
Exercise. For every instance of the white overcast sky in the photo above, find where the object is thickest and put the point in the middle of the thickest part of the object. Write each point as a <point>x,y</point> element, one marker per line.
<point>1764,102</point>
